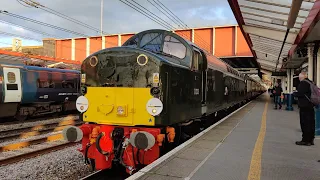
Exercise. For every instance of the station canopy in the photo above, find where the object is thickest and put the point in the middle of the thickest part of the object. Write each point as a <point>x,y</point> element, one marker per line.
<point>264,23</point>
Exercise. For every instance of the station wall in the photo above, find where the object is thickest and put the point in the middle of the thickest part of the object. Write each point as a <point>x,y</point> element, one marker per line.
<point>222,41</point>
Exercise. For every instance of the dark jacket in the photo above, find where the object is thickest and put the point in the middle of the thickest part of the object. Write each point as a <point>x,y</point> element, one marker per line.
<point>303,91</point>
<point>278,91</point>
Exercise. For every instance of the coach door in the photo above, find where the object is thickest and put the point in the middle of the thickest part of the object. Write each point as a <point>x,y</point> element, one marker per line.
<point>12,84</point>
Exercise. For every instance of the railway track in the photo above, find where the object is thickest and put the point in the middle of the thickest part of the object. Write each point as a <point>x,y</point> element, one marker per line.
<point>33,152</point>
<point>10,121</point>
<point>25,132</point>
<point>33,140</point>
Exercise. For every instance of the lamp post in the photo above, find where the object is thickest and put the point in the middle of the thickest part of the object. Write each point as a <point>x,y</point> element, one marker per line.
<point>101,17</point>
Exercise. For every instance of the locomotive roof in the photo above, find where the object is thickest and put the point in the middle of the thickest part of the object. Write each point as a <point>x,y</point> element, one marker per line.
<point>38,68</point>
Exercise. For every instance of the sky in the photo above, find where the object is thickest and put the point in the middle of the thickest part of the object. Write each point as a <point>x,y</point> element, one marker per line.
<point>117,17</point>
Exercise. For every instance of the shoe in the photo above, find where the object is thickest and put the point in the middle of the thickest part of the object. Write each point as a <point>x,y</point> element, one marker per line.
<point>302,143</point>
<point>275,108</point>
<point>312,142</point>
<point>280,107</point>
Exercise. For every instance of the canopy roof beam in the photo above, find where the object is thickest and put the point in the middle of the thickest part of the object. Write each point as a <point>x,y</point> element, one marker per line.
<point>270,11</point>
<point>275,4</point>
<point>269,17</point>
<point>263,52</point>
<point>292,30</point>
<point>272,46</point>
<point>269,33</point>
<point>268,22</point>
<point>268,63</point>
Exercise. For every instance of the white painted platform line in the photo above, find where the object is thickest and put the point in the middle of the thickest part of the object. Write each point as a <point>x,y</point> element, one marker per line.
<point>181,146</point>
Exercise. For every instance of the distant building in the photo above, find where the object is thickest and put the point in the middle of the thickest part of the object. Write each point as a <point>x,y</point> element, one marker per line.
<point>47,49</point>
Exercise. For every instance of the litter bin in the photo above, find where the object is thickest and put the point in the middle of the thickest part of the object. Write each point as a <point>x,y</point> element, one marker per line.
<point>289,102</point>
<point>317,113</point>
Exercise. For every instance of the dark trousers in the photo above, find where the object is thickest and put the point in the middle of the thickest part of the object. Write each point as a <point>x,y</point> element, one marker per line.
<point>277,101</point>
<point>307,123</point>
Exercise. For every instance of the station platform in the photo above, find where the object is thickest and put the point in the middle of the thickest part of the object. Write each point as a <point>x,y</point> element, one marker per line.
<point>255,142</point>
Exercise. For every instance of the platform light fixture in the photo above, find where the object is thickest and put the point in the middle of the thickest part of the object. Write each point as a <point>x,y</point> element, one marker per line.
<point>293,14</point>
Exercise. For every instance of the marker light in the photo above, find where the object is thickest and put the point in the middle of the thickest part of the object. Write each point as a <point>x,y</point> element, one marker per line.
<point>93,61</point>
<point>142,59</point>
<point>121,111</point>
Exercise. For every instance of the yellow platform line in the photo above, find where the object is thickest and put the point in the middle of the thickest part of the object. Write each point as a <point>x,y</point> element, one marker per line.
<point>255,165</point>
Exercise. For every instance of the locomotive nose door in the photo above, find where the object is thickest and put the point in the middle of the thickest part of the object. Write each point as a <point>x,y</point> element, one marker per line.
<point>12,84</point>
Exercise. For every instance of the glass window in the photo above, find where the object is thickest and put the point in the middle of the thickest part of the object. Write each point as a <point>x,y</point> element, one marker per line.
<point>132,43</point>
<point>118,69</point>
<point>195,61</point>
<point>67,84</point>
<point>174,47</point>
<point>11,77</point>
<point>151,41</point>
<point>43,84</point>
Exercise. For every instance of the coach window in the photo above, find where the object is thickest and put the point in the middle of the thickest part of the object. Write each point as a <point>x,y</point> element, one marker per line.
<point>68,85</point>
<point>43,84</point>
<point>174,47</point>
<point>11,77</point>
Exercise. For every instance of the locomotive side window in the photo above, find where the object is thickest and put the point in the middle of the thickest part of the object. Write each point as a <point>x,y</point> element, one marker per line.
<point>132,43</point>
<point>151,41</point>
<point>174,47</point>
<point>197,62</point>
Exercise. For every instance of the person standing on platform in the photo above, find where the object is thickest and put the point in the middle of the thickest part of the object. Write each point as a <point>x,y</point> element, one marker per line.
<point>307,116</point>
<point>277,95</point>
